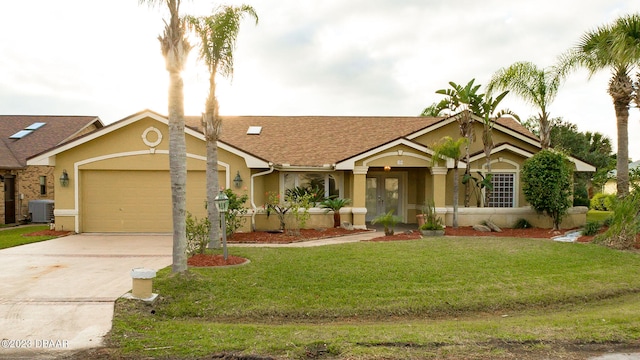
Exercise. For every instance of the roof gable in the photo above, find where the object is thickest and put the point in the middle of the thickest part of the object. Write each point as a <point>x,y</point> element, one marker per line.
<point>52,131</point>
<point>46,158</point>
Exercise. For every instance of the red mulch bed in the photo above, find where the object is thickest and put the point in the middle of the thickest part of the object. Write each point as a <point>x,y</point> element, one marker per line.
<point>48,233</point>
<point>264,237</point>
<point>202,260</point>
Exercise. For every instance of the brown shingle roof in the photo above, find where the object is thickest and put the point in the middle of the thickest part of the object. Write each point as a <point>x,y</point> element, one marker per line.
<point>321,140</point>
<point>57,129</point>
<point>313,140</point>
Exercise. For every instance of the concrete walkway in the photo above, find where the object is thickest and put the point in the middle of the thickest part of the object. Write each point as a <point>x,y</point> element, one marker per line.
<point>58,295</point>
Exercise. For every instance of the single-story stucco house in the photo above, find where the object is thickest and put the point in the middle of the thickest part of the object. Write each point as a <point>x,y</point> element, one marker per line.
<point>611,186</point>
<point>119,174</point>
<point>21,137</point>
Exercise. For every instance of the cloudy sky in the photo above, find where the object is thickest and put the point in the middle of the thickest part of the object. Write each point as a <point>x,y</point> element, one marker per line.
<point>305,57</point>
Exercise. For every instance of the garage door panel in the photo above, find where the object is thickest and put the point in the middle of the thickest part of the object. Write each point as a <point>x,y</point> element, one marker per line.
<point>134,201</point>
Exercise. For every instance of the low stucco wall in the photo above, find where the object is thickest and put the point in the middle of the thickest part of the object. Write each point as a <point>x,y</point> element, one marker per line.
<point>507,217</point>
<point>318,219</point>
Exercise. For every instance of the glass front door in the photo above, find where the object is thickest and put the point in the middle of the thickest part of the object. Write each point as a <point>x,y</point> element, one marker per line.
<point>383,195</point>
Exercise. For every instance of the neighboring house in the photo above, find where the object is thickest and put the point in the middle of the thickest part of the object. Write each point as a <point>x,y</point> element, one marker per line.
<point>22,137</point>
<point>119,175</point>
<point>611,186</point>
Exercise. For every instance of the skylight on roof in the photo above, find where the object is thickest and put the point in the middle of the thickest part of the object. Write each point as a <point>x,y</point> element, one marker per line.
<point>254,130</point>
<point>20,134</point>
<point>35,126</point>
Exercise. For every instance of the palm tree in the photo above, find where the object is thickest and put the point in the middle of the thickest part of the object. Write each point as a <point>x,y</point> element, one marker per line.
<point>460,99</point>
<point>449,148</point>
<point>175,49</point>
<point>218,34</point>
<point>538,87</point>
<point>614,47</point>
<point>486,109</point>
<point>432,110</point>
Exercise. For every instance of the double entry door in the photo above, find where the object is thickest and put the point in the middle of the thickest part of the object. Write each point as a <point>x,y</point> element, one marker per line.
<point>384,193</point>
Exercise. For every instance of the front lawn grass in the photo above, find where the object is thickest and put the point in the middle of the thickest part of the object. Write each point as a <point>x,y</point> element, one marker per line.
<point>390,300</point>
<point>598,215</point>
<point>14,237</point>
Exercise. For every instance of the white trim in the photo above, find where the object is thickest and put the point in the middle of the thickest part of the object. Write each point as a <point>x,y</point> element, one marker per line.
<point>396,153</point>
<point>360,170</point>
<point>500,148</point>
<point>496,125</point>
<point>580,165</point>
<point>350,163</point>
<point>43,159</point>
<point>65,212</point>
<point>359,210</point>
<point>151,144</point>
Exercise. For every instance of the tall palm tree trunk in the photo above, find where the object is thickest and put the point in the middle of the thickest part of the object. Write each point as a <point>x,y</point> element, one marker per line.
<point>178,170</point>
<point>456,189</point>
<point>622,164</point>
<point>487,140</point>
<point>212,127</point>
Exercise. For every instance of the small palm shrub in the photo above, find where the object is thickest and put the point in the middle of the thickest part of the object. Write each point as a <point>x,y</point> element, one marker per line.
<point>388,220</point>
<point>335,204</point>
<point>591,228</point>
<point>522,224</point>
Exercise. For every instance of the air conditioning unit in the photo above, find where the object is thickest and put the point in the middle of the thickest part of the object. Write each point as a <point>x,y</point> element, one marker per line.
<point>41,211</point>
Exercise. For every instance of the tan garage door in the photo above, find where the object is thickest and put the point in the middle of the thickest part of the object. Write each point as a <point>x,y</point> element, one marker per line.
<point>134,201</point>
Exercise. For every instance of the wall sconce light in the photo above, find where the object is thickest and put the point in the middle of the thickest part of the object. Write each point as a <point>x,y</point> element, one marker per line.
<point>387,168</point>
<point>64,178</point>
<point>237,180</point>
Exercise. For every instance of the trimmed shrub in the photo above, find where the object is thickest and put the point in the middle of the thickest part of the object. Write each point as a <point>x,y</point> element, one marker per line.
<point>603,202</point>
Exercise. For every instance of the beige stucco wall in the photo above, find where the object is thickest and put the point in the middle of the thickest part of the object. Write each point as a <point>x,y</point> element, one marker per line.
<point>125,149</point>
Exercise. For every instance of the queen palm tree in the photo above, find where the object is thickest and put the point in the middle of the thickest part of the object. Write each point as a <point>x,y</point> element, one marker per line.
<point>175,49</point>
<point>614,47</point>
<point>538,87</point>
<point>486,108</point>
<point>460,99</point>
<point>450,148</point>
<point>218,34</point>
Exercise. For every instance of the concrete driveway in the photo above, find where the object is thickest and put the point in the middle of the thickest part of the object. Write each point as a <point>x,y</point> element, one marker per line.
<point>59,294</point>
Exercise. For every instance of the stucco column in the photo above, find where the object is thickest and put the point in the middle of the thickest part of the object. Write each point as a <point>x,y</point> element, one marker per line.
<point>359,208</point>
<point>439,186</point>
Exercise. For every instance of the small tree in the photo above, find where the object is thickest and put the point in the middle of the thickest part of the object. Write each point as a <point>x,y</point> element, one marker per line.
<point>546,179</point>
<point>449,148</point>
<point>235,217</point>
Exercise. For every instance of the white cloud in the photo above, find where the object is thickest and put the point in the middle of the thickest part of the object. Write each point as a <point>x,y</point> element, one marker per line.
<point>359,57</point>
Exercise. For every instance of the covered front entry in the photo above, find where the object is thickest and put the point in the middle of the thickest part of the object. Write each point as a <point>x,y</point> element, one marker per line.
<point>383,194</point>
<point>134,201</point>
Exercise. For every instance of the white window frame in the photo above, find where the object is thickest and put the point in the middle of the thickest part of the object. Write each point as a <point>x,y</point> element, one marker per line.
<point>336,175</point>
<point>516,177</point>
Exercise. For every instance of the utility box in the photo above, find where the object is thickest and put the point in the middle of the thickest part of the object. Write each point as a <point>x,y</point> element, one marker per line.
<point>41,211</point>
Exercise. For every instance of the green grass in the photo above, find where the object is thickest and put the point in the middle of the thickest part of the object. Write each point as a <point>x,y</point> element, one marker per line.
<point>598,215</point>
<point>390,299</point>
<point>14,237</point>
